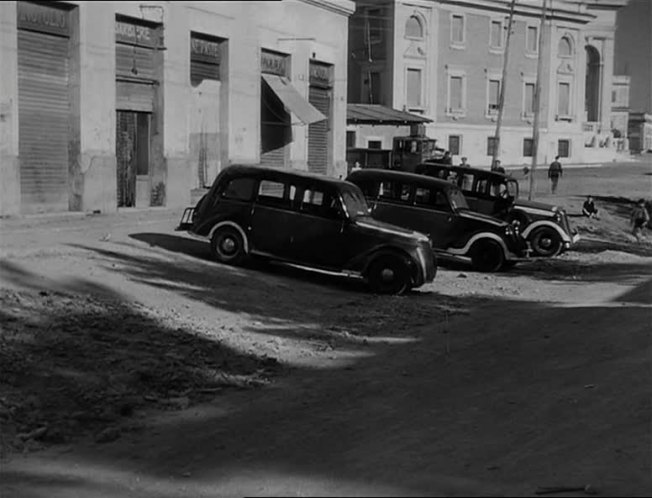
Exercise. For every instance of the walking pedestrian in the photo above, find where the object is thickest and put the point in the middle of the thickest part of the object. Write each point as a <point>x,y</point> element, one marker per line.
<point>554,173</point>
<point>639,220</point>
<point>588,208</point>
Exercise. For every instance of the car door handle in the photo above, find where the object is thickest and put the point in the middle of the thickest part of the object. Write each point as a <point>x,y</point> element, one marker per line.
<point>449,219</point>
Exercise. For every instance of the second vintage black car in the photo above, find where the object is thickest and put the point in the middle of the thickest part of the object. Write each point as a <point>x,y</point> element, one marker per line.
<point>439,209</point>
<point>545,227</point>
<point>310,220</point>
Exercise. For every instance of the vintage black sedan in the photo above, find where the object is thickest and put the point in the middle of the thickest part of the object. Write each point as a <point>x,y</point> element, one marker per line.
<point>439,209</point>
<point>545,227</point>
<point>310,220</point>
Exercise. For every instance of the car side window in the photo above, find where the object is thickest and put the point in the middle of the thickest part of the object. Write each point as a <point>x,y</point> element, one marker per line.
<point>239,189</point>
<point>466,182</point>
<point>275,194</point>
<point>318,202</point>
<point>431,198</point>
<point>394,192</point>
<point>482,186</point>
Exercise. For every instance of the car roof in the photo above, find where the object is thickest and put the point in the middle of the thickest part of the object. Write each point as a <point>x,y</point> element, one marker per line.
<point>469,169</point>
<point>255,170</point>
<point>402,176</point>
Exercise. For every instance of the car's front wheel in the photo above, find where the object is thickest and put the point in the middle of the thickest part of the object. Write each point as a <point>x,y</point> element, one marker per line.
<point>546,242</point>
<point>388,275</point>
<point>227,246</point>
<point>487,256</point>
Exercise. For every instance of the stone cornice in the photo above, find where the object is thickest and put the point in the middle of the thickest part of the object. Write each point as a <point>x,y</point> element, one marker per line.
<point>342,7</point>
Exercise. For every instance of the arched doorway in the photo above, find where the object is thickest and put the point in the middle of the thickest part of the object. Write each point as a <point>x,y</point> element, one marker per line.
<point>592,90</point>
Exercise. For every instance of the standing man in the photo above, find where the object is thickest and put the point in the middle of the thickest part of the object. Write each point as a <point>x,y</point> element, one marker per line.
<point>464,163</point>
<point>639,220</point>
<point>497,167</point>
<point>554,172</point>
<point>447,159</point>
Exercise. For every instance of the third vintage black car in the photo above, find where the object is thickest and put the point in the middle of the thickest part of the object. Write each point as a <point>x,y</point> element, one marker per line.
<point>545,227</point>
<point>439,209</point>
<point>307,219</point>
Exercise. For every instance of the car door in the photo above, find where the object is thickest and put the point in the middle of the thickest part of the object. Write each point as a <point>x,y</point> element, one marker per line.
<point>393,203</point>
<point>481,200</point>
<point>434,215</point>
<point>271,224</point>
<point>318,227</point>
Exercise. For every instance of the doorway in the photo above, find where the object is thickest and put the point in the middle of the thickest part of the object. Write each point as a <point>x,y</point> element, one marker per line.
<point>132,158</point>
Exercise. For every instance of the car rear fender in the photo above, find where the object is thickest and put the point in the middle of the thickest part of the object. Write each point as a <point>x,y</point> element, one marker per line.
<point>234,225</point>
<point>463,251</point>
<point>545,223</point>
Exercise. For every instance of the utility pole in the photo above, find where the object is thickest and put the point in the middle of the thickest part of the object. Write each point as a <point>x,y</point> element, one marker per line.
<point>503,84</point>
<point>537,103</point>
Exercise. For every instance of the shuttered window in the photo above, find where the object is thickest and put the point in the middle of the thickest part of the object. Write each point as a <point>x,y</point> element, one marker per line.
<point>318,133</point>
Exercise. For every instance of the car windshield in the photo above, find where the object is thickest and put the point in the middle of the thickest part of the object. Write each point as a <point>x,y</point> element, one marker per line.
<point>458,201</point>
<point>354,202</point>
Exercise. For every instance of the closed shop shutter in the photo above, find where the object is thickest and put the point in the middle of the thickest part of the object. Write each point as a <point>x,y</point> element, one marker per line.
<point>44,121</point>
<point>318,133</point>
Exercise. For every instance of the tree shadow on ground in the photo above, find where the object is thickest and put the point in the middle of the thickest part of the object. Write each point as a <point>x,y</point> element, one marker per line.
<point>77,359</point>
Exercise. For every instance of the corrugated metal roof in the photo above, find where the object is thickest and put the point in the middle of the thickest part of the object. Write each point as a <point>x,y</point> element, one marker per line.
<point>379,114</point>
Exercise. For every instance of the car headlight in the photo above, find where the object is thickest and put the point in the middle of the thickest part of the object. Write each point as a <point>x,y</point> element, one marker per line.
<point>516,225</point>
<point>509,230</point>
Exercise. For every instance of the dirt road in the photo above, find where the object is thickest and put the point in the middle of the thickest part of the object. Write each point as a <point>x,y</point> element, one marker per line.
<point>132,365</point>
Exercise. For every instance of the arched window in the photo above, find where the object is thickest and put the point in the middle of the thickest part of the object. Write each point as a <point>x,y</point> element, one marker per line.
<point>565,48</point>
<point>413,28</point>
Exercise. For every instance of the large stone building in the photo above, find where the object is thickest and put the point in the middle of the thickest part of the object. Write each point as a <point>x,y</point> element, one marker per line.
<point>444,59</point>
<point>134,104</point>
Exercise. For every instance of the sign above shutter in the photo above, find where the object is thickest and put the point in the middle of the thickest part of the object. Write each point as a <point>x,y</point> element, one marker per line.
<point>293,100</point>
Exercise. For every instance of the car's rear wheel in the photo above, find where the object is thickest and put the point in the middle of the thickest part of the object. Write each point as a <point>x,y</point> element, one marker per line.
<point>487,256</point>
<point>545,241</point>
<point>388,275</point>
<point>227,246</point>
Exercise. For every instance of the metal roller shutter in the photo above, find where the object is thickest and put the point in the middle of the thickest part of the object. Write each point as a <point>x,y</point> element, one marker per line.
<point>136,73</point>
<point>318,133</point>
<point>43,121</point>
<point>200,71</point>
<point>134,61</point>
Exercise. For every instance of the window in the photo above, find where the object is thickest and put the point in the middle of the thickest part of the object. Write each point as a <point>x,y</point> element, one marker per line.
<point>414,88</point>
<point>563,148</point>
<point>394,191</point>
<point>532,39</point>
<point>374,144</point>
<point>431,198</point>
<point>275,194</point>
<point>491,145</point>
<point>454,142</point>
<point>528,146</point>
<point>496,34</point>
<point>320,203</point>
<point>413,28</point>
<point>456,94</point>
<point>563,99</point>
<point>457,29</point>
<point>240,189</point>
<point>528,104</point>
<point>493,97</point>
<point>565,48</point>
<point>350,139</point>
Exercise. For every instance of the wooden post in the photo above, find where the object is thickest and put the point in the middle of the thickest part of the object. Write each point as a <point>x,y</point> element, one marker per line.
<point>537,103</point>
<point>503,84</point>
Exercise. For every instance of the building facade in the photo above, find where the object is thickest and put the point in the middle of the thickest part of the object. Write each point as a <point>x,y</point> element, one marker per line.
<point>105,105</point>
<point>444,59</point>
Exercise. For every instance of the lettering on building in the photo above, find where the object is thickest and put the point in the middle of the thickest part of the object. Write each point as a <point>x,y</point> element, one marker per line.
<point>205,50</point>
<point>320,74</point>
<point>42,18</point>
<point>273,63</point>
<point>135,34</point>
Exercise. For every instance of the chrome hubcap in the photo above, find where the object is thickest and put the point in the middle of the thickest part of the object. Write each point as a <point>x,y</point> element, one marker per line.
<point>228,245</point>
<point>387,275</point>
